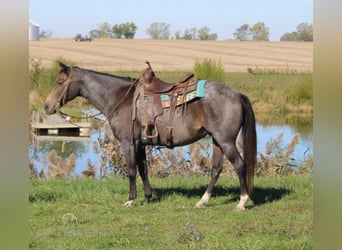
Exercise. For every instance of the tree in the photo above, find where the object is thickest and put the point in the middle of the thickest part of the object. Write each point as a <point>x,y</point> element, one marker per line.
<point>117,30</point>
<point>178,35</point>
<point>305,32</point>
<point>190,34</point>
<point>259,32</point>
<point>94,33</point>
<point>104,30</point>
<point>204,34</point>
<point>129,30</point>
<point>293,36</point>
<point>213,36</point>
<point>126,30</point>
<point>242,33</point>
<point>159,30</point>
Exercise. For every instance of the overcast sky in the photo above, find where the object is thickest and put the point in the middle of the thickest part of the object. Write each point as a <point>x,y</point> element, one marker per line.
<point>65,18</point>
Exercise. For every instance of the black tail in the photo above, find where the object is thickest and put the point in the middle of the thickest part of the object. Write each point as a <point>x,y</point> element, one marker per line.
<point>249,141</point>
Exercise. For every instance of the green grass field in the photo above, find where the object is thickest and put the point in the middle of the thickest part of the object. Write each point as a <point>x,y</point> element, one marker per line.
<point>89,214</point>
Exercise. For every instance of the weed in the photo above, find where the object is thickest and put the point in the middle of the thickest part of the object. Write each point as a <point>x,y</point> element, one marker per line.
<point>277,160</point>
<point>301,92</point>
<point>209,69</point>
<point>189,234</point>
<point>35,71</point>
<point>59,168</point>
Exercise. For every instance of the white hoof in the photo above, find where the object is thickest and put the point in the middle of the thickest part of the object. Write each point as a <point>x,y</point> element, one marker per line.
<point>129,203</point>
<point>199,204</point>
<point>204,200</point>
<point>239,209</point>
<point>243,200</point>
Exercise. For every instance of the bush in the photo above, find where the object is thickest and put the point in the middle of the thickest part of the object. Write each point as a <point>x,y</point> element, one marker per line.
<point>302,92</point>
<point>209,69</point>
<point>34,74</point>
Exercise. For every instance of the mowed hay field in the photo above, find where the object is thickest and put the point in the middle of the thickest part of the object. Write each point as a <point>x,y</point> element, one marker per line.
<point>174,55</point>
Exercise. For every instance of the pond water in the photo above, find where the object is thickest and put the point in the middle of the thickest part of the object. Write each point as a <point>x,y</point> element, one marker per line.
<point>84,148</point>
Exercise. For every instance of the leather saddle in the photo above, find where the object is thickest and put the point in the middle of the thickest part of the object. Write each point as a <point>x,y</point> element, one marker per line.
<point>158,86</point>
<point>150,90</point>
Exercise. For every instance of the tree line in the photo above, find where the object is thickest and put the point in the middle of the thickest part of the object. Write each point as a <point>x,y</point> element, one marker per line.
<point>160,30</point>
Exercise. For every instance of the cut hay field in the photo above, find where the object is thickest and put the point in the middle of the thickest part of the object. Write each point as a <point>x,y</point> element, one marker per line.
<point>174,55</point>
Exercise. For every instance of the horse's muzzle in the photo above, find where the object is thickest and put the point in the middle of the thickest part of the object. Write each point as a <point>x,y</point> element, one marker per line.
<point>49,109</point>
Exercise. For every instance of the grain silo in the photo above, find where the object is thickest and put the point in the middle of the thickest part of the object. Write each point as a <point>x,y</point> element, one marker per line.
<point>33,31</point>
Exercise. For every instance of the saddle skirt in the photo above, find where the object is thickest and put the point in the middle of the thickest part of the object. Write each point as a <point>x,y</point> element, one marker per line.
<point>195,90</point>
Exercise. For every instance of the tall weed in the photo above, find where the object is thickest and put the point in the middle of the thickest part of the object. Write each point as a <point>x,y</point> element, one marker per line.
<point>209,69</point>
<point>301,92</point>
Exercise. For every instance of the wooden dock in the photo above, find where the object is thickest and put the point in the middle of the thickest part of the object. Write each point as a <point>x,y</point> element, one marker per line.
<point>54,124</point>
<point>50,138</point>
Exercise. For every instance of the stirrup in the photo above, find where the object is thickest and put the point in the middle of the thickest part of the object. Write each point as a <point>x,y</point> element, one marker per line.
<point>145,136</point>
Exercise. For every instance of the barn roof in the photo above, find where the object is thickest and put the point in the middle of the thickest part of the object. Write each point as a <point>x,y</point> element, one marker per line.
<point>32,23</point>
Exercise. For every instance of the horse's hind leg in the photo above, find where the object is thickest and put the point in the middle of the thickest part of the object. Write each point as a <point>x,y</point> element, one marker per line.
<point>217,167</point>
<point>235,159</point>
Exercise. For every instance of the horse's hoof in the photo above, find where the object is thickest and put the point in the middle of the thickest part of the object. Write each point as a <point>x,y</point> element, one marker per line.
<point>239,209</point>
<point>199,205</point>
<point>129,204</point>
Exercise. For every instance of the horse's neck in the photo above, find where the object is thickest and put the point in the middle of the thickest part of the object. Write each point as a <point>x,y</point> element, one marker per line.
<point>103,91</point>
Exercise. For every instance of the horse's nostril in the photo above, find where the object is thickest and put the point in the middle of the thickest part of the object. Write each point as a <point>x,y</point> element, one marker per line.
<point>45,106</point>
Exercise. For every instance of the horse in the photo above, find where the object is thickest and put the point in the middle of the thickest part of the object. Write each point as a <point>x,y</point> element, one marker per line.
<point>222,113</point>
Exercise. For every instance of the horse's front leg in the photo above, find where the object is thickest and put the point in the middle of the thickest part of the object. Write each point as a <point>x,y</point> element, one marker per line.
<point>143,171</point>
<point>132,174</point>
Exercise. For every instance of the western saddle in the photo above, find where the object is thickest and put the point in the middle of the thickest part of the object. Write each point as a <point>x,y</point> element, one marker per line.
<point>148,94</point>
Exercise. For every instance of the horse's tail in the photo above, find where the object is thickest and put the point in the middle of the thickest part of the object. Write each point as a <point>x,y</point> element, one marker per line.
<point>249,141</point>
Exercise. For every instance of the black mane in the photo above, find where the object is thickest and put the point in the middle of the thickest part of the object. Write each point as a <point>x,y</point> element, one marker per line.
<point>126,78</point>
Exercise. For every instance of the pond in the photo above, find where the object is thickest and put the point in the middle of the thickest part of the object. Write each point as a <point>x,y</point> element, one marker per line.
<point>86,148</point>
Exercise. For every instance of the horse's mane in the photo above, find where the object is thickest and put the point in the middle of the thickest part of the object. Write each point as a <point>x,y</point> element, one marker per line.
<point>126,78</point>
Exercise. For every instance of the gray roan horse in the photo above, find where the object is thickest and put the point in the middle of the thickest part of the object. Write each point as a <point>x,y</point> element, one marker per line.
<point>221,113</point>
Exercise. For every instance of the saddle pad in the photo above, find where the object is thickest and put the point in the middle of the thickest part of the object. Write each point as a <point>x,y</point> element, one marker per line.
<point>199,92</point>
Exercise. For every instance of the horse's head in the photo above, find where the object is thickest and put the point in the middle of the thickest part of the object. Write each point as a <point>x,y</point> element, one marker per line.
<point>65,88</point>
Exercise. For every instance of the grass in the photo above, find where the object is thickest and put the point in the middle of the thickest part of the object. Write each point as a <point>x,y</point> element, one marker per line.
<point>88,214</point>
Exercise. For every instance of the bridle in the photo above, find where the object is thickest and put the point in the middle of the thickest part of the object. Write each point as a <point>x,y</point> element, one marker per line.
<point>62,99</point>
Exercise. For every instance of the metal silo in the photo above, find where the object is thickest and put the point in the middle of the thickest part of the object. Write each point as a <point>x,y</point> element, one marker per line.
<point>33,31</point>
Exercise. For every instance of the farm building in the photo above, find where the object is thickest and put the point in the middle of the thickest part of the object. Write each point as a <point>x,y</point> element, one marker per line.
<point>33,31</point>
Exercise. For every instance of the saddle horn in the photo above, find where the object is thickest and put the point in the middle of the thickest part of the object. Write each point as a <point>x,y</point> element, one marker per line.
<point>148,64</point>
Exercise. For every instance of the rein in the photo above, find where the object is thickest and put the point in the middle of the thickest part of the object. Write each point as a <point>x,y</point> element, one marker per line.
<point>133,83</point>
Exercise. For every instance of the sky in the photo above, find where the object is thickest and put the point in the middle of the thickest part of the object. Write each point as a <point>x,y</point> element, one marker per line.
<point>65,18</point>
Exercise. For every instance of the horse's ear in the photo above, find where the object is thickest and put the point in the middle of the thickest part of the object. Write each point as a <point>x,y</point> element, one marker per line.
<point>62,66</point>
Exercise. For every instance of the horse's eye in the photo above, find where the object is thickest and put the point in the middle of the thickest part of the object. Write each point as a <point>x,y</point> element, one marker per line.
<point>60,82</point>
